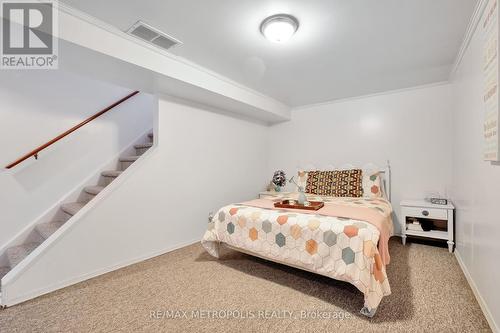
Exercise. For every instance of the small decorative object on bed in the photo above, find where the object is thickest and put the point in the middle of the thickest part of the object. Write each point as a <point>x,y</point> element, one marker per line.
<point>279,180</point>
<point>300,189</point>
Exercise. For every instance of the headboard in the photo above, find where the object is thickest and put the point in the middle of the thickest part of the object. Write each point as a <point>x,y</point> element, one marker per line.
<point>384,171</point>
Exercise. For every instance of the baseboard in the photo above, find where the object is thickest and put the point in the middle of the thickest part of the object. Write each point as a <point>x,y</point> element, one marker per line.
<point>72,281</point>
<point>479,298</point>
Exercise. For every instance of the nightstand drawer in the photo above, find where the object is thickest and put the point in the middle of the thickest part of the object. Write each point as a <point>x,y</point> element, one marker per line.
<point>430,213</point>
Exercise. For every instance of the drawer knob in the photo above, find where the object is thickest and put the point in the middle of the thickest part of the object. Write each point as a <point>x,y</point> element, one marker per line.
<point>425,213</point>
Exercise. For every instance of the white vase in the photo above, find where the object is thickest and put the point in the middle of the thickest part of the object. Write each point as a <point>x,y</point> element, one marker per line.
<point>302,197</point>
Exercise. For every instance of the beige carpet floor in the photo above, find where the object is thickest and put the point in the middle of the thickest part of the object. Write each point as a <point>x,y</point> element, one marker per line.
<point>429,294</point>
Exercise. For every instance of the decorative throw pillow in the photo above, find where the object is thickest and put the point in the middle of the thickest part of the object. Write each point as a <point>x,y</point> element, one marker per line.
<point>319,182</point>
<point>347,183</point>
<point>372,185</point>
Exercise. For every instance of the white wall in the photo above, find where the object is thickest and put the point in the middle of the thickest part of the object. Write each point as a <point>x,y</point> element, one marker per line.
<point>411,128</point>
<point>476,183</point>
<point>203,160</point>
<point>36,107</point>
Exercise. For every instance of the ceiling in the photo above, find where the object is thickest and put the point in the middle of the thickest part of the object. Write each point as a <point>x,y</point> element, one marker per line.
<point>343,48</point>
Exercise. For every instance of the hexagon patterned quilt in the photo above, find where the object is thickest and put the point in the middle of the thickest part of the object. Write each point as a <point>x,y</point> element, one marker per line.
<point>341,247</point>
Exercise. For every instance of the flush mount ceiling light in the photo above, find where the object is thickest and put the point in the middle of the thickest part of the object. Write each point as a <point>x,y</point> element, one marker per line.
<point>279,28</point>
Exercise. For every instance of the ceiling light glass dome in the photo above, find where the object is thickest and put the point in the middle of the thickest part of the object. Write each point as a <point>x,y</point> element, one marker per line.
<point>279,28</point>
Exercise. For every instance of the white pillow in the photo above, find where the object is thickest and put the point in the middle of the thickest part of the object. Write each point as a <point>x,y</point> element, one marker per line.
<point>372,184</point>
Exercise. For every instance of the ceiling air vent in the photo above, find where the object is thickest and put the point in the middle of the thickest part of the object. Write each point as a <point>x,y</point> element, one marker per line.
<point>153,36</point>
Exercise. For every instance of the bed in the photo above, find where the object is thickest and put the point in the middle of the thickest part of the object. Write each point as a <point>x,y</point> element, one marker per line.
<point>345,240</point>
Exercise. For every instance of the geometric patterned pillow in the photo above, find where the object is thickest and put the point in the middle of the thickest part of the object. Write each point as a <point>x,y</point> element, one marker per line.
<point>347,183</point>
<point>372,185</point>
<point>320,182</point>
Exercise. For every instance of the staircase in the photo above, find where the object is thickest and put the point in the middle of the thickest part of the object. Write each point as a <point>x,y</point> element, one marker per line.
<point>14,255</point>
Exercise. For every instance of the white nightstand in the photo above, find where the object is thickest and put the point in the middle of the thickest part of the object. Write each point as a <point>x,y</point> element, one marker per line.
<point>422,210</point>
<point>272,194</point>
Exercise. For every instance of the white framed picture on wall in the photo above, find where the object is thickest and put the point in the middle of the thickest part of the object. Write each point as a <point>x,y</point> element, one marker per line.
<point>490,28</point>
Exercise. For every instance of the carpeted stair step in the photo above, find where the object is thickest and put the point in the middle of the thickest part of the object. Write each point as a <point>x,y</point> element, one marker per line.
<point>72,208</point>
<point>47,229</point>
<point>111,173</point>
<point>17,253</point>
<point>142,148</point>
<point>4,270</point>
<point>93,190</point>
<point>129,158</point>
<point>127,161</point>
<point>144,145</point>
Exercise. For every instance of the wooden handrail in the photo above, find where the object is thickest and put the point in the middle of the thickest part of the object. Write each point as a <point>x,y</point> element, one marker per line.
<point>35,152</point>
